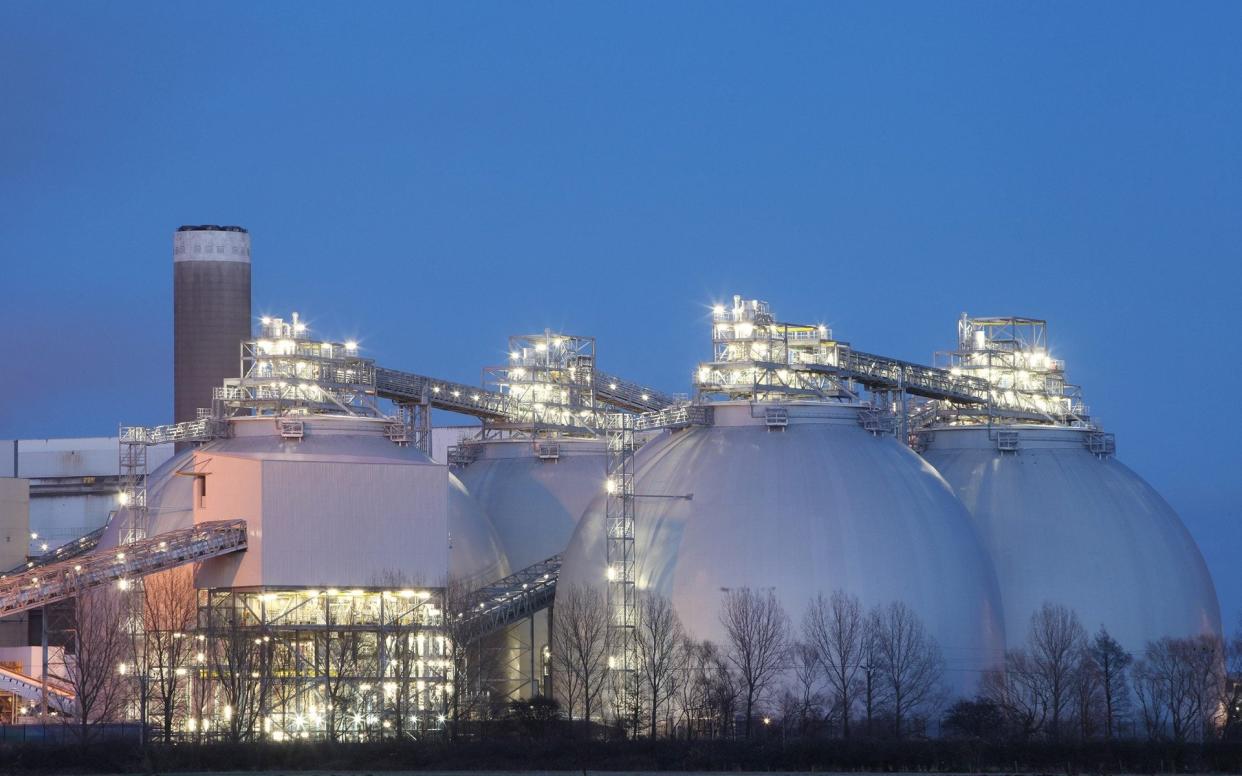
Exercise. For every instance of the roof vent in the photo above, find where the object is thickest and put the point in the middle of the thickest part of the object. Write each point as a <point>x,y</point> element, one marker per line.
<point>1101,444</point>
<point>290,429</point>
<point>776,417</point>
<point>1007,441</point>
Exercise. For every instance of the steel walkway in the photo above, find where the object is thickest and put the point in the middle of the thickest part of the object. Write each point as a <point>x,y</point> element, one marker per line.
<point>514,598</point>
<point>59,697</point>
<point>72,549</point>
<point>64,579</point>
<point>490,405</point>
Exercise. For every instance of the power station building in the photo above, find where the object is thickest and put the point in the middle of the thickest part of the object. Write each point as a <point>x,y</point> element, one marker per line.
<point>366,588</point>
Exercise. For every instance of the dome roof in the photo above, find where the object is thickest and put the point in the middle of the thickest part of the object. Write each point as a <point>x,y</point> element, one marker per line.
<point>1065,526</point>
<point>820,506</point>
<point>474,549</point>
<point>535,503</point>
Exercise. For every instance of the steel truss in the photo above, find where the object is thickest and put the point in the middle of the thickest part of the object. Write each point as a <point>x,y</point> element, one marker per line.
<point>496,606</point>
<point>65,579</point>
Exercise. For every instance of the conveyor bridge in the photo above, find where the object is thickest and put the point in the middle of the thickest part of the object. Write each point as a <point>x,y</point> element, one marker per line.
<point>514,598</point>
<point>59,697</point>
<point>401,386</point>
<point>64,579</point>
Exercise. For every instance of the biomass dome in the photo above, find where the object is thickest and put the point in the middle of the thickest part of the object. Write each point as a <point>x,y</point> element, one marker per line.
<point>535,499</point>
<point>819,506</point>
<point>1065,526</point>
<point>371,509</point>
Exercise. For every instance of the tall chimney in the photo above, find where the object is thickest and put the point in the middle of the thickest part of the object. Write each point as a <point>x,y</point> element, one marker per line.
<point>211,312</point>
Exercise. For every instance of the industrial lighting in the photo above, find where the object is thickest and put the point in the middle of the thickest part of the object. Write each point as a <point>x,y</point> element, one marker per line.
<point>718,309</point>
<point>351,345</point>
<point>266,321</point>
<point>34,536</point>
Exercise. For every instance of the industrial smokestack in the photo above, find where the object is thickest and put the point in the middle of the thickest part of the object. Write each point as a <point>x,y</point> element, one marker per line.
<point>211,312</point>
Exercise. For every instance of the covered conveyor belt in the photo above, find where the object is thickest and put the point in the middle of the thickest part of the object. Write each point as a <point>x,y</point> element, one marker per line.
<point>59,697</point>
<point>508,600</point>
<point>64,579</point>
<point>491,405</point>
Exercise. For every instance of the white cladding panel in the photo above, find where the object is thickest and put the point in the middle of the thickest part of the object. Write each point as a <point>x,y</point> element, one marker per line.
<point>61,519</point>
<point>1066,527</point>
<point>14,521</point>
<point>72,457</point>
<point>817,507</point>
<point>354,524</point>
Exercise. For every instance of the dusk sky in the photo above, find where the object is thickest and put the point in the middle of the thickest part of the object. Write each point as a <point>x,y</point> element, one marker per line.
<point>431,180</point>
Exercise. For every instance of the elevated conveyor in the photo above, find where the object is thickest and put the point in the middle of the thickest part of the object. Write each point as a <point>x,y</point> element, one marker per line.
<point>442,394</point>
<point>79,546</point>
<point>399,386</point>
<point>64,579</point>
<point>59,697</point>
<point>497,605</point>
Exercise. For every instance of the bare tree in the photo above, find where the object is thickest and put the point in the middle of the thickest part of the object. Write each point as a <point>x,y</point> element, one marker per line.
<point>473,666</point>
<point>170,610</point>
<point>836,629</point>
<point>911,665</point>
<point>580,649</point>
<point>1152,692</point>
<point>1231,687</point>
<point>1056,642</point>
<point>1088,696</point>
<point>238,663</point>
<point>657,641</point>
<point>722,690</point>
<point>804,702</point>
<point>758,630</point>
<point>871,689</point>
<point>338,647</point>
<point>1179,684</point>
<point>1018,692</point>
<point>707,694</point>
<point>1111,663</point>
<point>96,671</point>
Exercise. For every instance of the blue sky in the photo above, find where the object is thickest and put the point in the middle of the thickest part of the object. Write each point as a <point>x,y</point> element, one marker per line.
<point>430,179</point>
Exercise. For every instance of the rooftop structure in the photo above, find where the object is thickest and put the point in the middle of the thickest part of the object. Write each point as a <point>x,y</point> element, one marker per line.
<point>549,383</point>
<point>286,372</point>
<point>1024,381</point>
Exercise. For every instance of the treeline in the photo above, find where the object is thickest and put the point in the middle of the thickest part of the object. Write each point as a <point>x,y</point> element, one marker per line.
<point>842,672</point>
